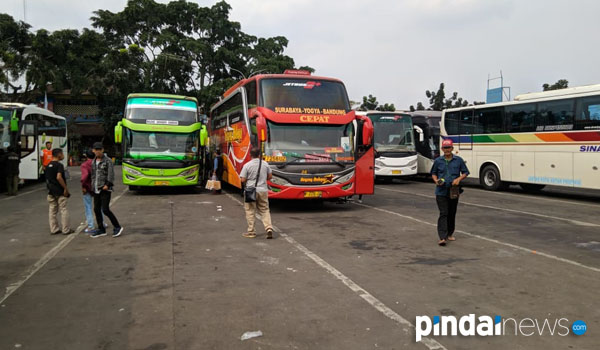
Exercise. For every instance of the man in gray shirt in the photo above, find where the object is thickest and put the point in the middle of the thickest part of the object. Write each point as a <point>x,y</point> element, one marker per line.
<point>249,177</point>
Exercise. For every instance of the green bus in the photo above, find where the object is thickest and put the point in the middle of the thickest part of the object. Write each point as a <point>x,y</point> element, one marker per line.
<point>163,141</point>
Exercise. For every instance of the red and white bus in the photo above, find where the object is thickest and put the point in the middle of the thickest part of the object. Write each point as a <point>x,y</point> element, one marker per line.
<point>315,144</point>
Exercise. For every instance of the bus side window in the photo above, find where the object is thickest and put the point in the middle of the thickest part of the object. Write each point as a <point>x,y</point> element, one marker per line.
<point>253,133</point>
<point>587,115</point>
<point>521,117</point>
<point>466,122</point>
<point>451,123</point>
<point>556,115</point>
<point>251,93</point>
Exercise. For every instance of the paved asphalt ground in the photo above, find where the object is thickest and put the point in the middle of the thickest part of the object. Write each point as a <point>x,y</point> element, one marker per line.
<point>336,276</point>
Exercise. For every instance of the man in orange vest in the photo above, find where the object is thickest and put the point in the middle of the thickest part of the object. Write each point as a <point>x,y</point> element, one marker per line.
<point>47,155</point>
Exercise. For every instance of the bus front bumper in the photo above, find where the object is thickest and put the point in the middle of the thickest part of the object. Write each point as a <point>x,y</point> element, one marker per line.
<point>395,171</point>
<point>311,192</point>
<point>133,176</point>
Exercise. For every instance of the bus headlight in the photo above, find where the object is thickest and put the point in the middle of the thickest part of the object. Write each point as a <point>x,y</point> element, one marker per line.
<point>279,181</point>
<point>412,162</point>
<point>379,163</point>
<point>188,172</point>
<point>344,178</point>
<point>132,171</point>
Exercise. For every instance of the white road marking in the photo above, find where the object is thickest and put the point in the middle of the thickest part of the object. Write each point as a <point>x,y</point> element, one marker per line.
<point>363,293</point>
<point>575,222</point>
<point>532,196</point>
<point>514,246</point>
<point>19,194</point>
<point>47,257</point>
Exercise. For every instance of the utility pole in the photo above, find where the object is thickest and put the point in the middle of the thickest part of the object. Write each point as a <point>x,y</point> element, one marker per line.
<point>24,11</point>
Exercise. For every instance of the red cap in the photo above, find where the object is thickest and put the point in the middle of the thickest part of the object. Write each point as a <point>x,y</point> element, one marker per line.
<point>447,143</point>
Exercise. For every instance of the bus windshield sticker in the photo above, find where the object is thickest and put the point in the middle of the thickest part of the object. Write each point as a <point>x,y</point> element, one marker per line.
<point>162,122</point>
<point>275,159</point>
<point>309,110</point>
<point>334,150</point>
<point>345,159</point>
<point>345,143</point>
<point>309,85</point>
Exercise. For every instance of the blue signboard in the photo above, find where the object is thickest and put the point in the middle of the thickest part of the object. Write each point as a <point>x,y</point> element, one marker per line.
<point>494,95</point>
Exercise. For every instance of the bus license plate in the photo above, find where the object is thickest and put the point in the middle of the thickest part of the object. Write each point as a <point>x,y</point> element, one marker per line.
<point>161,183</point>
<point>396,172</point>
<point>313,194</point>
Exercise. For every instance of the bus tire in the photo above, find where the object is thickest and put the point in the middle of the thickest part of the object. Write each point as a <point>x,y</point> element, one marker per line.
<point>531,187</point>
<point>490,179</point>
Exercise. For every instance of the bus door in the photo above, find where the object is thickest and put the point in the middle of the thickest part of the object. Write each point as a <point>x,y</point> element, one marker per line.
<point>29,151</point>
<point>465,129</point>
<point>365,158</point>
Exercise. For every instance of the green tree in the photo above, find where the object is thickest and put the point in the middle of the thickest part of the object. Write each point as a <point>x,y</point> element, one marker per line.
<point>15,41</point>
<point>370,104</point>
<point>560,84</point>
<point>438,101</point>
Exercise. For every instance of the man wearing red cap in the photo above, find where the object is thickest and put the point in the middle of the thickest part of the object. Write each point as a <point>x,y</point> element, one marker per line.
<point>447,172</point>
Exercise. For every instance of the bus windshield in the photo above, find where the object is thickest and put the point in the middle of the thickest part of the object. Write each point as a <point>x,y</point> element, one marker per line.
<point>393,133</point>
<point>5,128</point>
<point>310,143</point>
<point>304,96</point>
<point>160,145</point>
<point>161,111</point>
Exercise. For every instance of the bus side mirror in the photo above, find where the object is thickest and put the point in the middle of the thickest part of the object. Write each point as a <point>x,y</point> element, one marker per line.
<point>118,133</point>
<point>203,136</point>
<point>367,132</point>
<point>420,132</point>
<point>261,128</point>
<point>14,122</point>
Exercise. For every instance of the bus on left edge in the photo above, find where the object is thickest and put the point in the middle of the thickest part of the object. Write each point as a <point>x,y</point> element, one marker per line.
<point>162,141</point>
<point>27,128</point>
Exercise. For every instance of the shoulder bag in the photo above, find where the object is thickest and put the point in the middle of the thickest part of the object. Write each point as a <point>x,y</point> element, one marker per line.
<point>250,193</point>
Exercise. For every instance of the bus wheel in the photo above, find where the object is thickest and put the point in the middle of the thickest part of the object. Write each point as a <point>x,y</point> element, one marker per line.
<point>532,187</point>
<point>490,179</point>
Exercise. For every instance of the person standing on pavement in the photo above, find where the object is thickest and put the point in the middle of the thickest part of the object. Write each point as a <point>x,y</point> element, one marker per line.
<point>47,155</point>
<point>58,193</point>
<point>86,188</point>
<point>103,177</point>
<point>249,176</point>
<point>447,171</point>
<point>11,161</point>
<point>218,168</point>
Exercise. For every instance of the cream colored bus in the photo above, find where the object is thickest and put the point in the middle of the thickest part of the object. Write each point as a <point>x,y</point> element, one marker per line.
<point>539,139</point>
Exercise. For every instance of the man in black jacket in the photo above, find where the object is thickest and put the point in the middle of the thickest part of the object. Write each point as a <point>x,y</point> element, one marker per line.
<point>57,193</point>
<point>103,177</point>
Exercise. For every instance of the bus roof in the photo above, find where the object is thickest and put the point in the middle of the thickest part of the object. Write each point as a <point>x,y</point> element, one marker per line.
<point>579,91</point>
<point>174,97</point>
<point>364,113</point>
<point>561,92</point>
<point>276,76</point>
<point>29,109</point>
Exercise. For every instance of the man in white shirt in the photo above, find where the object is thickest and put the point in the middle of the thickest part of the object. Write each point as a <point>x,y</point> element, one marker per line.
<point>249,177</point>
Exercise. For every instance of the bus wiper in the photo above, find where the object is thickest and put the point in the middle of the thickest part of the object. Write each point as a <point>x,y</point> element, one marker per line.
<point>296,158</point>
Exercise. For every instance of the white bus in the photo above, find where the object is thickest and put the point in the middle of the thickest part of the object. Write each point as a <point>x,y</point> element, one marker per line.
<point>395,152</point>
<point>546,138</point>
<point>27,128</point>
<point>427,134</point>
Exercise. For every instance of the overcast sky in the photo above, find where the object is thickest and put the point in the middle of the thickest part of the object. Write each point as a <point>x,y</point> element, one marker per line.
<point>396,50</point>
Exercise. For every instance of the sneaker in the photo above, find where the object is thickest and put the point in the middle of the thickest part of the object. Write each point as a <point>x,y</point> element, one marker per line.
<point>249,235</point>
<point>269,234</point>
<point>117,231</point>
<point>105,224</point>
<point>98,233</point>
<point>68,232</point>
<point>89,230</point>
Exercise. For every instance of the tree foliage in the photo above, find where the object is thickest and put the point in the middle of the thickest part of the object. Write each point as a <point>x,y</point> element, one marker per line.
<point>438,101</point>
<point>178,47</point>
<point>560,84</point>
<point>370,104</point>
